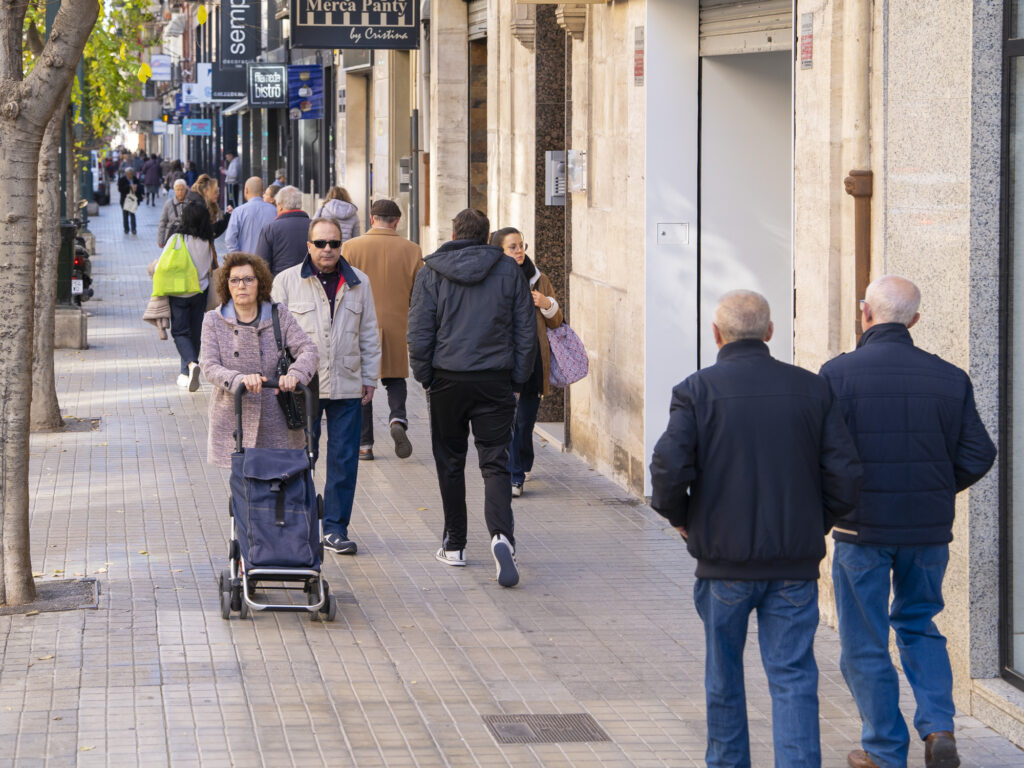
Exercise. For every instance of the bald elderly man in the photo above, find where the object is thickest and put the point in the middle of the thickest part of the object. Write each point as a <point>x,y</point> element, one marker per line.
<point>755,465</point>
<point>917,430</point>
<point>248,220</point>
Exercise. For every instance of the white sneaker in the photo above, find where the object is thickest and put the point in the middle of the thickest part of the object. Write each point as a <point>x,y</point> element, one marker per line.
<point>451,556</point>
<point>193,377</point>
<point>183,380</point>
<point>505,559</point>
<point>517,490</point>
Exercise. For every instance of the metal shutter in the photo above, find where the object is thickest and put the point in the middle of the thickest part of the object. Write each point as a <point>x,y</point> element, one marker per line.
<point>477,12</point>
<point>727,26</point>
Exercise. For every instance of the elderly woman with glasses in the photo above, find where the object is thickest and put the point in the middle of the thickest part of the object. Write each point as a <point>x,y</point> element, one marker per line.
<point>549,315</point>
<point>239,349</point>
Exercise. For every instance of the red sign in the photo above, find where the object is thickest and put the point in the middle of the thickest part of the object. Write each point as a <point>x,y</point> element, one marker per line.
<point>638,56</point>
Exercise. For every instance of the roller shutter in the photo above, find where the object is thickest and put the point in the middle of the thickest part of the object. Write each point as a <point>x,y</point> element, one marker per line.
<point>477,19</point>
<point>727,26</point>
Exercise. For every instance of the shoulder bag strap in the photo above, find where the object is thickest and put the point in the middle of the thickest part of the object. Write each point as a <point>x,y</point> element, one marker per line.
<point>277,329</point>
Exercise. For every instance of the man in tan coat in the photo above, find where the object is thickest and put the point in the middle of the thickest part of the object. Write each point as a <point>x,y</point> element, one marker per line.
<point>391,262</point>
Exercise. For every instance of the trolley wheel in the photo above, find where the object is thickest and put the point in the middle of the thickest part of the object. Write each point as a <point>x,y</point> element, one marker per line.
<point>224,580</point>
<point>236,597</point>
<point>332,607</point>
<point>225,605</point>
<point>243,610</point>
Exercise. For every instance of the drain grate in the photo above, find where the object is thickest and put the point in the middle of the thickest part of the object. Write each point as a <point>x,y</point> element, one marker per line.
<point>544,729</point>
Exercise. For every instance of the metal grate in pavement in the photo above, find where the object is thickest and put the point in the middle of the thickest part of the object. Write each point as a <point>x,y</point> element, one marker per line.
<point>544,729</point>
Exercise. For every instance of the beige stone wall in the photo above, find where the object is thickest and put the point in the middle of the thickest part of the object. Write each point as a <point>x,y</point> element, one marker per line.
<point>510,125</point>
<point>607,277</point>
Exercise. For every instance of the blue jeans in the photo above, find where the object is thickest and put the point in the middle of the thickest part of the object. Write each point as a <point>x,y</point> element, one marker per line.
<point>861,574</point>
<point>343,421</point>
<point>520,448</point>
<point>787,618</point>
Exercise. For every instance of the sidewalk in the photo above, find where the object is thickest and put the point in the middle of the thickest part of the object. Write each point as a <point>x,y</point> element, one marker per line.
<point>602,624</point>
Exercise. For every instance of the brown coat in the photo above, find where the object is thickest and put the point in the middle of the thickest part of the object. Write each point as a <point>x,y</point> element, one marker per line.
<point>543,286</point>
<point>391,262</point>
<point>229,351</point>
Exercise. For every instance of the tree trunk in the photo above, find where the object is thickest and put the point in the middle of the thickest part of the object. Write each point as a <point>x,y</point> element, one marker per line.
<point>26,106</point>
<point>45,412</point>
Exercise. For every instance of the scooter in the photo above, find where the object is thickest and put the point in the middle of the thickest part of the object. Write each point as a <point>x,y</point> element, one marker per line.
<point>81,270</point>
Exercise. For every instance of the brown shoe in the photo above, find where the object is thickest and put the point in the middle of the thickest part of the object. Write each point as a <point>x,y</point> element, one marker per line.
<point>860,759</point>
<point>940,750</point>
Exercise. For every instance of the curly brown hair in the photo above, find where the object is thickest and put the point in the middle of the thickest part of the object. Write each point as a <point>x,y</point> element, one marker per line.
<point>264,280</point>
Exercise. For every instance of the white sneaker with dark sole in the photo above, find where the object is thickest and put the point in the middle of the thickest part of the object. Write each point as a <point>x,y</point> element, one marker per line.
<point>517,490</point>
<point>505,559</point>
<point>451,556</point>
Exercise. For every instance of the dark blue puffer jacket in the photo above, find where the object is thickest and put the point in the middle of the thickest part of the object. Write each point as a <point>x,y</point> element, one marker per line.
<point>920,439</point>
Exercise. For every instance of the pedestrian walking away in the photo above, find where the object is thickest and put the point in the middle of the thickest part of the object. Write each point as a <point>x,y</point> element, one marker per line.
<point>232,174</point>
<point>151,177</point>
<point>239,350</point>
<point>129,185</point>
<point>918,432</point>
<point>339,206</point>
<point>170,216</point>
<point>391,262</point>
<point>249,219</point>
<point>549,315</point>
<point>333,303</point>
<point>471,345</point>
<point>758,543</point>
<point>282,243</point>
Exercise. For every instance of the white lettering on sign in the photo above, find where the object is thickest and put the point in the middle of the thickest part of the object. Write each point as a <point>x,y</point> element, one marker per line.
<point>236,26</point>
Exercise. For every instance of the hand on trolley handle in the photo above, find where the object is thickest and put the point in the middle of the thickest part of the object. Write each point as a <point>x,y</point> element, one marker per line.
<point>254,382</point>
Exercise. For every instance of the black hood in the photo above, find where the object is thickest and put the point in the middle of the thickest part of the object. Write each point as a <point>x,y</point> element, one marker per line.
<point>464,261</point>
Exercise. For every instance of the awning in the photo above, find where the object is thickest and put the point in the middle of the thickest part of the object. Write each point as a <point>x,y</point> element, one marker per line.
<point>237,108</point>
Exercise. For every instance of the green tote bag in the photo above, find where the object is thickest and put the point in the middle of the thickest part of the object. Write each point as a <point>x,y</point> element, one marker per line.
<point>175,273</point>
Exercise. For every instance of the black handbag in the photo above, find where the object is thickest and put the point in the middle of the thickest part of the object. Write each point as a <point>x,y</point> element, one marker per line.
<point>293,404</point>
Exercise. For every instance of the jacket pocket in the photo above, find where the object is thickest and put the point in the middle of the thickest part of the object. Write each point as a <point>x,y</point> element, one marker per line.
<point>351,362</point>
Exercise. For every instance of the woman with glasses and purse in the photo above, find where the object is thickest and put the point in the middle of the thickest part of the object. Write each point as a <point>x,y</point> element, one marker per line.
<point>549,315</point>
<point>240,349</point>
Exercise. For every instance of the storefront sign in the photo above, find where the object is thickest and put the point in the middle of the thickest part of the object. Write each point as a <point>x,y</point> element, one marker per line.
<point>160,64</point>
<point>268,85</point>
<point>638,56</point>
<point>198,91</point>
<point>228,84</point>
<point>239,33</point>
<point>193,127</point>
<point>379,24</point>
<point>806,40</point>
<point>305,92</point>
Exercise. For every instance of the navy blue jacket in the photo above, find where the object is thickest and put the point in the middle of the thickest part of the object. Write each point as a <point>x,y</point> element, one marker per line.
<point>756,462</point>
<point>471,316</point>
<point>920,439</point>
<point>282,242</point>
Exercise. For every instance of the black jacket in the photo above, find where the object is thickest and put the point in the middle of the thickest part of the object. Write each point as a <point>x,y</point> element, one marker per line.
<point>124,186</point>
<point>913,418</point>
<point>756,462</point>
<point>218,226</point>
<point>282,242</point>
<point>471,315</point>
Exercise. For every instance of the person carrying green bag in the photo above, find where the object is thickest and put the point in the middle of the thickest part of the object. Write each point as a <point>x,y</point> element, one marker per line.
<point>183,275</point>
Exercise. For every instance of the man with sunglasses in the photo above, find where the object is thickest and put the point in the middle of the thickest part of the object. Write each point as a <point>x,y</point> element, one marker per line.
<point>332,302</point>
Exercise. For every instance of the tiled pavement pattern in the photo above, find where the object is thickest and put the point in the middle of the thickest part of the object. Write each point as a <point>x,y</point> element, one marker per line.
<point>602,623</point>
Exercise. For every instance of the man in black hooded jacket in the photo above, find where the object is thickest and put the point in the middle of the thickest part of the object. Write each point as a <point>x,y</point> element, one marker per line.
<point>471,338</point>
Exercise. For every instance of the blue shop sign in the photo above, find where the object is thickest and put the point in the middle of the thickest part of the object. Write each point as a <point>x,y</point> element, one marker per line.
<point>196,127</point>
<point>305,92</point>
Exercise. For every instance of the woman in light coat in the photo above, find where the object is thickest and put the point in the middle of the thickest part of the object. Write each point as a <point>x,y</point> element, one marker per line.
<point>339,206</point>
<point>549,315</point>
<point>171,213</point>
<point>240,350</point>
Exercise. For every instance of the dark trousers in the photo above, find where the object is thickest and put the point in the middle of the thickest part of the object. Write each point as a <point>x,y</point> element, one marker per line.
<point>231,194</point>
<point>397,391</point>
<point>187,326</point>
<point>129,219</point>
<point>520,448</point>
<point>489,406</point>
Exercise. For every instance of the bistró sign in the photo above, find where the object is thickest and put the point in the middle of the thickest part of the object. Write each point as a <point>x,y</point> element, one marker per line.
<point>268,85</point>
<point>378,24</point>
<point>239,33</point>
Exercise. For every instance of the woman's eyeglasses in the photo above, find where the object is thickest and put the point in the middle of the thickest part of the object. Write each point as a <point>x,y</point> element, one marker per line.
<point>234,282</point>
<point>325,243</point>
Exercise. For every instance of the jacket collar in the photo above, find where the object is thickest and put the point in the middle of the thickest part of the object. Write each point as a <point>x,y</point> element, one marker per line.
<point>346,271</point>
<point>743,348</point>
<point>227,311</point>
<point>294,213</point>
<point>386,231</point>
<point>886,332</point>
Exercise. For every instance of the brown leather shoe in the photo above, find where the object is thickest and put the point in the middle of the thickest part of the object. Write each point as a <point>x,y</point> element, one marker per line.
<point>940,750</point>
<point>860,759</point>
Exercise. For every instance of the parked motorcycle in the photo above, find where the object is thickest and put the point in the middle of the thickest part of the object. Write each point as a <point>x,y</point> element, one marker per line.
<point>81,270</point>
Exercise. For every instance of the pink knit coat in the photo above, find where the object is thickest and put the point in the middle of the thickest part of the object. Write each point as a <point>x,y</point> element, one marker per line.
<point>228,352</point>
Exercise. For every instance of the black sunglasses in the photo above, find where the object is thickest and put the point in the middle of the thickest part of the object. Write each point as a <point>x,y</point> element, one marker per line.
<point>325,243</point>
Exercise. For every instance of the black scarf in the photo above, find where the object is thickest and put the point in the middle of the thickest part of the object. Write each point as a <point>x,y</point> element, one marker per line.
<point>528,268</point>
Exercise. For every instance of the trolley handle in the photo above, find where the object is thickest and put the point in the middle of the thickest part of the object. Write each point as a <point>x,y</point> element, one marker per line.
<point>272,384</point>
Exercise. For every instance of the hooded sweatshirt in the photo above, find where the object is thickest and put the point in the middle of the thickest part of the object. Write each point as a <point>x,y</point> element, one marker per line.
<point>471,317</point>
<point>346,214</point>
